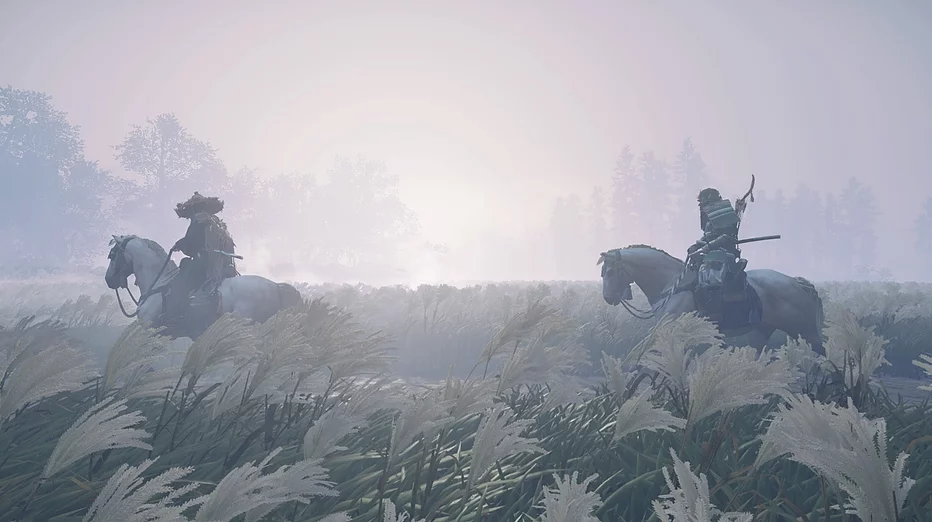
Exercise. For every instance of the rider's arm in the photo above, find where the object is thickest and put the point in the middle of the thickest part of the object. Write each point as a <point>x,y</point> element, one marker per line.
<point>193,240</point>
<point>717,242</point>
<point>696,246</point>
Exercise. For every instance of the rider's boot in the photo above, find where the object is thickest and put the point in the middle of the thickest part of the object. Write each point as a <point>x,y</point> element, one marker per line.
<point>200,293</point>
<point>176,307</point>
<point>742,278</point>
<point>205,299</point>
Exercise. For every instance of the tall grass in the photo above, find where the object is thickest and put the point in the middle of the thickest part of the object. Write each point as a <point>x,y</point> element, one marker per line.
<point>305,417</point>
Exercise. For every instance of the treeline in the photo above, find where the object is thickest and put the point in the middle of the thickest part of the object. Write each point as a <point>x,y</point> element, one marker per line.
<point>651,200</point>
<point>58,208</point>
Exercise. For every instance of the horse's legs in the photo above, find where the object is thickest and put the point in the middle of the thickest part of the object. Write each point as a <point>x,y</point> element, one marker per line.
<point>759,336</point>
<point>756,338</point>
<point>150,312</point>
<point>815,341</point>
<point>811,333</point>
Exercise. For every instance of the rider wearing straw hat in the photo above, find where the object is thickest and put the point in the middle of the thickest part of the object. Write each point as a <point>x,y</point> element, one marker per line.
<point>209,247</point>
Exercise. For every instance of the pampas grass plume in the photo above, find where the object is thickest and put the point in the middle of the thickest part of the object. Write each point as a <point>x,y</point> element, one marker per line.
<point>569,501</point>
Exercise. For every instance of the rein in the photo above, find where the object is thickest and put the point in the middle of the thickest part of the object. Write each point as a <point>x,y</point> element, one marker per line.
<point>145,295</point>
<point>637,313</point>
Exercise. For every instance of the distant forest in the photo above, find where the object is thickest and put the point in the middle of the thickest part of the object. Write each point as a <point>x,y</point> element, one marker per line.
<point>59,207</point>
<point>825,236</point>
<point>65,207</point>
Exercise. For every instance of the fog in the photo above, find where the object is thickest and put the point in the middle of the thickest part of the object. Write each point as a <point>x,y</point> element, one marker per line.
<point>419,142</point>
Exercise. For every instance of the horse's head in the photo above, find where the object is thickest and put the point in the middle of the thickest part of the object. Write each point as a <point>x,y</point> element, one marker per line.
<point>616,281</point>
<point>121,263</point>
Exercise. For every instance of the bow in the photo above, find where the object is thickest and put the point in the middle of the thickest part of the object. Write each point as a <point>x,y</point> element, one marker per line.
<point>742,203</point>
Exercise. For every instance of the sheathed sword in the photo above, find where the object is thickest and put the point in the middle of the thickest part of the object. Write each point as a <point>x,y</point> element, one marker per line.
<point>234,256</point>
<point>714,244</point>
<point>756,239</point>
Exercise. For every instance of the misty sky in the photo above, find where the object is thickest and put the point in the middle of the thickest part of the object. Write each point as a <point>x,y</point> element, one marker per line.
<point>488,110</point>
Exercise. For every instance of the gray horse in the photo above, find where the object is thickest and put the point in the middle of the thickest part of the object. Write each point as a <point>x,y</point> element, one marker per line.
<point>248,296</point>
<point>790,304</point>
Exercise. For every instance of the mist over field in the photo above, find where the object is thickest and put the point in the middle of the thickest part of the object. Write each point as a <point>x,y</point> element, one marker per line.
<point>417,329</point>
<point>480,142</point>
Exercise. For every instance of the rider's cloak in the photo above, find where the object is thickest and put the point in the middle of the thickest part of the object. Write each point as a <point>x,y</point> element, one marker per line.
<point>210,234</point>
<point>206,234</point>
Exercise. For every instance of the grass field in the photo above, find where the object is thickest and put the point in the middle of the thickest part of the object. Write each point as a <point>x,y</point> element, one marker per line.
<point>501,402</point>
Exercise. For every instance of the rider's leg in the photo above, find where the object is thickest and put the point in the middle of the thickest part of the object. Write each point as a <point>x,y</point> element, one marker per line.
<point>198,273</point>
<point>177,296</point>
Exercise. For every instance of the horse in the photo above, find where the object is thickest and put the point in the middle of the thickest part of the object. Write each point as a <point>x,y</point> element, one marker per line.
<point>246,296</point>
<point>789,304</point>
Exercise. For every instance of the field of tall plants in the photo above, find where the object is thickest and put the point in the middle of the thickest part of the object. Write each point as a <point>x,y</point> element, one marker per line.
<point>501,402</point>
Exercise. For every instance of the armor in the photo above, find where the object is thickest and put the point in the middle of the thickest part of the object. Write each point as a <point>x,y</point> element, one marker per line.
<point>719,222</point>
<point>209,243</point>
<point>209,249</point>
<point>720,277</point>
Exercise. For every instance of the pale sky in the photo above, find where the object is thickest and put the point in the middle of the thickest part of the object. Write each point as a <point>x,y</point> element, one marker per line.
<point>488,110</point>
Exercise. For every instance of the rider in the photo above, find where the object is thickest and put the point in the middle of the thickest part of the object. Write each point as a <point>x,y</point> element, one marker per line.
<point>205,267</point>
<point>719,221</point>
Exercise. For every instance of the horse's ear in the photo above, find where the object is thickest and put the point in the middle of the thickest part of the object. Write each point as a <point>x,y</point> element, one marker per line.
<point>601,259</point>
<point>114,240</point>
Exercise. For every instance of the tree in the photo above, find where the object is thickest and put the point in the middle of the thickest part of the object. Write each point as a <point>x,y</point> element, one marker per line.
<point>859,211</point>
<point>625,193</point>
<point>88,221</point>
<point>170,163</point>
<point>365,206</point>
<point>780,219</point>
<point>804,219</point>
<point>833,243</point>
<point>242,191</point>
<point>687,179</point>
<point>922,228</point>
<point>354,224</point>
<point>31,215</point>
<point>272,219</point>
<point>569,246</point>
<point>53,207</point>
<point>689,168</point>
<point>31,128</point>
<point>598,239</point>
<point>768,215</point>
<point>653,205</point>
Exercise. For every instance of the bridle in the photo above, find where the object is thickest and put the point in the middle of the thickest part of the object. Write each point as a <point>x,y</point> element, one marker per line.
<point>117,255</point>
<point>636,312</point>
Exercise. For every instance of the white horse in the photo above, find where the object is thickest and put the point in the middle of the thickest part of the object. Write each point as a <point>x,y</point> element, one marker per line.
<point>790,304</point>
<point>248,296</point>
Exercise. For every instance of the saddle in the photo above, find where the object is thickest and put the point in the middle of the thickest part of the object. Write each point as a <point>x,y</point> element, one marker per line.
<point>188,309</point>
<point>722,293</point>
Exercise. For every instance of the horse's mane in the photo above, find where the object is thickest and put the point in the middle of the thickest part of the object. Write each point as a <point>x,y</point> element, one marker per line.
<point>648,247</point>
<point>153,245</point>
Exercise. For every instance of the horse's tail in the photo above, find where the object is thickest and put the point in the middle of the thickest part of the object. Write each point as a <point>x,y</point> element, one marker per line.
<point>290,297</point>
<point>820,310</point>
<point>814,293</point>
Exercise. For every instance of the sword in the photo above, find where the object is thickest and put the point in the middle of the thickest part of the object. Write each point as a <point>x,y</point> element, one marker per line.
<point>756,239</point>
<point>705,249</point>
<point>234,256</point>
